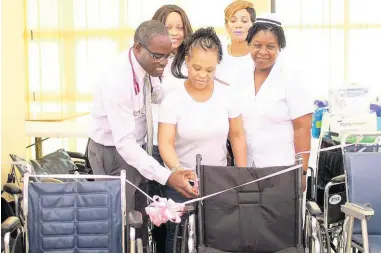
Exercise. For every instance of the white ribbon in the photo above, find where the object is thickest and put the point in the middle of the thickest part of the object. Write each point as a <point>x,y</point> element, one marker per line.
<point>254,181</point>
<point>22,163</point>
<point>161,209</point>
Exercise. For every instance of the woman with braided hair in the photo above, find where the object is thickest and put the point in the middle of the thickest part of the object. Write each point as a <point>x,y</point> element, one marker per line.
<point>199,116</point>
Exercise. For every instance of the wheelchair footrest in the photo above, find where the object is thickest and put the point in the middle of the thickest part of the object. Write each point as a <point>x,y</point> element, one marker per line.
<point>135,219</point>
<point>313,208</point>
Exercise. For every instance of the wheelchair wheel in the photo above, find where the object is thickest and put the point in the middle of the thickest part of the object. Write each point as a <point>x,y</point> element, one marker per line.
<point>313,239</point>
<point>307,233</point>
<point>18,244</point>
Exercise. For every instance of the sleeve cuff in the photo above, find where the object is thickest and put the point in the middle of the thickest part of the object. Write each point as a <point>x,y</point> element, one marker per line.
<point>162,175</point>
<point>235,114</point>
<point>167,121</point>
<point>306,111</point>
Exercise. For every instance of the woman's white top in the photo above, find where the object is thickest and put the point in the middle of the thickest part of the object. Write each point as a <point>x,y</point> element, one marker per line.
<point>268,115</point>
<point>168,83</point>
<point>201,127</point>
<point>230,68</point>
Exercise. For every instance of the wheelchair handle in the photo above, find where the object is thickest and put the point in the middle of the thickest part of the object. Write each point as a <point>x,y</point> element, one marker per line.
<point>198,159</point>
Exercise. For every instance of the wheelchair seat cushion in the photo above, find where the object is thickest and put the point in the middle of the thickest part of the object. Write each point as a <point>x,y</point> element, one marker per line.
<point>204,249</point>
<point>299,249</point>
<point>374,242</point>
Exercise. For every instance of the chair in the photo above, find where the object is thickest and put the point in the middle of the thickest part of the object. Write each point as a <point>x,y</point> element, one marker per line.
<point>79,216</point>
<point>265,216</point>
<point>363,174</point>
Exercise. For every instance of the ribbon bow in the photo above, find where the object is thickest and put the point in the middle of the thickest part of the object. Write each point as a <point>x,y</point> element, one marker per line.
<point>162,210</point>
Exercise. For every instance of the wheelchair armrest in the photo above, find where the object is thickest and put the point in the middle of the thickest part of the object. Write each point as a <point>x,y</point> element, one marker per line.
<point>313,208</point>
<point>76,155</point>
<point>135,219</point>
<point>9,225</point>
<point>12,189</point>
<point>359,212</point>
<point>338,179</point>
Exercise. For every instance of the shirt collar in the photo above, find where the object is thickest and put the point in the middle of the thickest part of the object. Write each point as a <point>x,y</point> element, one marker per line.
<point>139,71</point>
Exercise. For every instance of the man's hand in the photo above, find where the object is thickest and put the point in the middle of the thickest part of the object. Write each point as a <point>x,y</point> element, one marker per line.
<point>179,180</point>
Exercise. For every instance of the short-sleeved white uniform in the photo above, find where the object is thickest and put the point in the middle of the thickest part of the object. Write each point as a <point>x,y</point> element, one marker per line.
<point>267,116</point>
<point>201,127</point>
<point>230,68</point>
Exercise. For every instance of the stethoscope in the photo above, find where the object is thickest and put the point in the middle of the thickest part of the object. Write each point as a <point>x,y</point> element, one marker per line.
<point>134,79</point>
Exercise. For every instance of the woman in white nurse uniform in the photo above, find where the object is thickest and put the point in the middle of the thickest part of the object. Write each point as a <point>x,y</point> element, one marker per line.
<point>239,17</point>
<point>277,104</point>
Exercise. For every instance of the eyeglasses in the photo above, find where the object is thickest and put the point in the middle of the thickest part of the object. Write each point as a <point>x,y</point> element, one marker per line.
<point>157,56</point>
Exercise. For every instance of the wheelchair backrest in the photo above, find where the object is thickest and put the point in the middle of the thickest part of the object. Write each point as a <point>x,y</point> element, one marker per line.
<point>363,171</point>
<point>75,217</point>
<point>259,217</point>
<point>330,165</point>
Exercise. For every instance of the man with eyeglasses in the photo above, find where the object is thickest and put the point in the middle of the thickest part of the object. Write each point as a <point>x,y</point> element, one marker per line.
<point>121,116</point>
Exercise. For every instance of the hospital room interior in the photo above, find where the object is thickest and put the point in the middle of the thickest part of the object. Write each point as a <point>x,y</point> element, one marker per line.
<point>261,131</point>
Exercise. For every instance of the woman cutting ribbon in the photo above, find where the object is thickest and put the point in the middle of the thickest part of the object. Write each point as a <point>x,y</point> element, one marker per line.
<point>198,117</point>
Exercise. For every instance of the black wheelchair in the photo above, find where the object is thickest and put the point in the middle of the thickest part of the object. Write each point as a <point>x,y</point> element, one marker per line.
<point>265,216</point>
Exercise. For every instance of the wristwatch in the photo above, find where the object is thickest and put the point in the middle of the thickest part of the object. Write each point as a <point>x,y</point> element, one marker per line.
<point>304,172</point>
